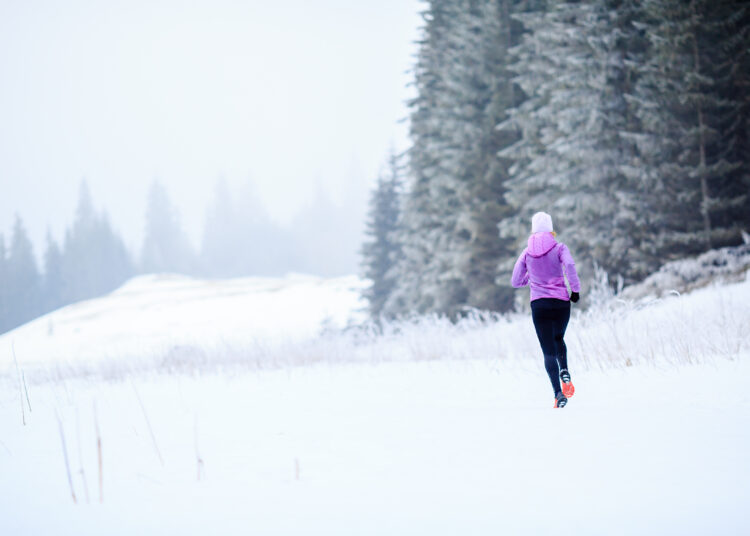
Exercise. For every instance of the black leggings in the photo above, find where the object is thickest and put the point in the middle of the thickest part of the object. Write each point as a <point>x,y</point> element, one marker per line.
<point>550,320</point>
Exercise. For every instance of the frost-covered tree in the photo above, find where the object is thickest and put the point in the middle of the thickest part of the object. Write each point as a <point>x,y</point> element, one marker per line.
<point>165,245</point>
<point>626,47</point>
<point>628,122</point>
<point>52,280</point>
<point>491,92</point>
<point>571,160</point>
<point>381,250</point>
<point>22,276</point>
<point>267,248</point>
<point>239,239</point>
<point>423,219</point>
<point>219,254</point>
<point>691,100</point>
<point>95,260</point>
<point>318,235</point>
<point>4,321</point>
<point>450,249</point>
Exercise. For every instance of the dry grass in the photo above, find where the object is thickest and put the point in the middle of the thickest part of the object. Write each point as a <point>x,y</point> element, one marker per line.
<point>65,457</point>
<point>678,329</point>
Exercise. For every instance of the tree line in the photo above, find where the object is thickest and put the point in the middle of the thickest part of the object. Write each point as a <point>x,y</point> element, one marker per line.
<point>92,261</point>
<point>627,120</point>
<point>239,239</point>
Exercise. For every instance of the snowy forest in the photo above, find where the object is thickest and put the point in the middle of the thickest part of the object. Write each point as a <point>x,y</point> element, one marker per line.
<point>628,121</point>
<point>239,239</point>
<point>182,359</point>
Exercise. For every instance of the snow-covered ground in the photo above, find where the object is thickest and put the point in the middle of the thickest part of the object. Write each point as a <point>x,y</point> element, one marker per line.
<point>422,428</point>
<point>159,317</point>
<point>468,447</point>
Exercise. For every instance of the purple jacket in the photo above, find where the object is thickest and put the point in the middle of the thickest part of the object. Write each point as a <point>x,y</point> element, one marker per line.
<point>542,265</point>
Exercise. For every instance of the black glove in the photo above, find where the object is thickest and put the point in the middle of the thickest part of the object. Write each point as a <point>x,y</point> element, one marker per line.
<point>574,297</point>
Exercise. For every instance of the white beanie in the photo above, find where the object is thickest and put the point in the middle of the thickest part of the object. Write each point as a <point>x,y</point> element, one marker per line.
<point>541,223</point>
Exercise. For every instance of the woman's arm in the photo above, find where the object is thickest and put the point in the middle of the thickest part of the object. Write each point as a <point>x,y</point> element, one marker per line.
<point>569,266</point>
<point>520,276</point>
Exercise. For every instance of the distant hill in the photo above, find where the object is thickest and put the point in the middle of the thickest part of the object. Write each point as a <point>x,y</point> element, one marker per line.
<point>155,314</point>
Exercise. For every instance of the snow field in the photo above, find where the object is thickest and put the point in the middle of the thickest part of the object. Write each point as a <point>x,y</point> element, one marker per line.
<point>188,331</point>
<point>210,424</point>
<point>164,320</point>
<point>471,447</point>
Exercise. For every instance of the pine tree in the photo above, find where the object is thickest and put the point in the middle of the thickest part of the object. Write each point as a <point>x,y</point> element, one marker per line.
<point>691,109</point>
<point>219,251</point>
<point>165,245</point>
<point>734,74</point>
<point>78,276</point>
<point>575,159</point>
<point>560,73</point>
<point>454,196</point>
<point>52,281</point>
<point>726,48</point>
<point>381,251</point>
<point>4,319</point>
<point>111,258</point>
<point>625,48</point>
<point>491,93</point>
<point>421,225</point>
<point>317,228</point>
<point>239,239</point>
<point>266,249</point>
<point>22,278</point>
<point>94,259</point>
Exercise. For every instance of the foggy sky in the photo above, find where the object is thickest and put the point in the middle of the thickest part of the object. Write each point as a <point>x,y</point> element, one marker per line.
<point>292,95</point>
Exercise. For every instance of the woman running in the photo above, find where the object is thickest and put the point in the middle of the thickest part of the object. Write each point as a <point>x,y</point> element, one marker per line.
<point>543,266</point>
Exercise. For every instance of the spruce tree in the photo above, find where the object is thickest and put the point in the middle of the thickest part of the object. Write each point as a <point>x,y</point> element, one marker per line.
<point>165,245</point>
<point>574,159</point>
<point>79,278</point>
<point>317,229</point>
<point>691,109</point>
<point>381,250</point>
<point>626,47</point>
<point>219,255</point>
<point>52,281</point>
<point>23,279</point>
<point>4,320</point>
<point>421,225</point>
<point>114,264</point>
<point>557,69</point>
<point>454,198</point>
<point>491,92</point>
<point>94,259</point>
<point>239,238</point>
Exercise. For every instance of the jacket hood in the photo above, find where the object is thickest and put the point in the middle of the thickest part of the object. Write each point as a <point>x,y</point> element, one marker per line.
<point>540,244</point>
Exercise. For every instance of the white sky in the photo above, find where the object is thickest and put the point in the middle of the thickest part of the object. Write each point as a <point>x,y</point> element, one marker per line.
<point>288,94</point>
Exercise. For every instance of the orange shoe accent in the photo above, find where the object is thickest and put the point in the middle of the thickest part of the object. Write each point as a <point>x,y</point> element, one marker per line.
<point>568,389</point>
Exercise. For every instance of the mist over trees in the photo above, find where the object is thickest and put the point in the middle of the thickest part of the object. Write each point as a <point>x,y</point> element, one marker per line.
<point>323,226</point>
<point>94,257</point>
<point>92,261</point>
<point>239,239</point>
<point>165,245</point>
<point>627,121</point>
<point>21,278</point>
<point>52,282</point>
